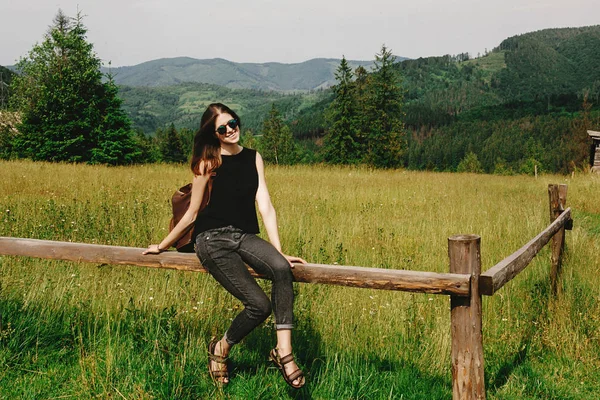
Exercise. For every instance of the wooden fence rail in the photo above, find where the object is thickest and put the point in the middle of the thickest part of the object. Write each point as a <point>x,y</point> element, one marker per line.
<point>374,278</point>
<point>465,283</point>
<point>500,274</point>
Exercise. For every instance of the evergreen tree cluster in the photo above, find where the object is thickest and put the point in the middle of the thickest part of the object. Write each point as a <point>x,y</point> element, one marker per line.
<point>167,145</point>
<point>67,112</point>
<point>365,119</point>
<point>276,144</point>
<point>550,142</point>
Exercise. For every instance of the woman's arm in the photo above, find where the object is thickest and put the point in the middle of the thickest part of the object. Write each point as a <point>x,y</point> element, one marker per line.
<point>267,211</point>
<point>198,187</point>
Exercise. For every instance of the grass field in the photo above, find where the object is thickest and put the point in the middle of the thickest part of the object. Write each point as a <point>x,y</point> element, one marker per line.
<point>82,331</point>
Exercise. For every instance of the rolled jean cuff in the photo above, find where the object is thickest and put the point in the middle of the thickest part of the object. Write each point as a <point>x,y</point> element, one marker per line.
<point>229,341</point>
<point>284,326</point>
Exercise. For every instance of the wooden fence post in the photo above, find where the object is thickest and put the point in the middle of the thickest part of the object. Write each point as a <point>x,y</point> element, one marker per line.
<point>558,198</point>
<point>467,340</point>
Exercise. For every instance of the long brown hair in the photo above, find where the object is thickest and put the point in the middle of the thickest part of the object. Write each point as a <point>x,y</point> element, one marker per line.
<point>206,155</point>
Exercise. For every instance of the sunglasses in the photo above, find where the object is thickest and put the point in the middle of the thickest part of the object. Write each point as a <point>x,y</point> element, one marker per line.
<point>232,123</point>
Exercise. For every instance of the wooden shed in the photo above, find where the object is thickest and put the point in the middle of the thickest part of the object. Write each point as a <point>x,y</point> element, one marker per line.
<point>595,151</point>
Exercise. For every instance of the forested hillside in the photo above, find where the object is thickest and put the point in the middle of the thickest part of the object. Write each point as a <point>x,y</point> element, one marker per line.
<point>551,64</point>
<point>527,103</point>
<point>536,73</point>
<point>182,105</point>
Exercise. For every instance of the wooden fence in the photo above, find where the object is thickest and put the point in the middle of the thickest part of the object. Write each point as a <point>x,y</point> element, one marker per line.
<point>465,284</point>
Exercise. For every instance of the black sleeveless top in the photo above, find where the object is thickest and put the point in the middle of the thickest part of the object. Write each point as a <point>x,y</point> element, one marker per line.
<point>232,200</point>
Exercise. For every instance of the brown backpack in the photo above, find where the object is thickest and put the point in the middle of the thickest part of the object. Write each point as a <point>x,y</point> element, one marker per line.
<point>181,202</point>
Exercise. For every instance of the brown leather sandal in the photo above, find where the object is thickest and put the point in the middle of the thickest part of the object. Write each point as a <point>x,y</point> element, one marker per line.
<point>280,363</point>
<point>219,374</point>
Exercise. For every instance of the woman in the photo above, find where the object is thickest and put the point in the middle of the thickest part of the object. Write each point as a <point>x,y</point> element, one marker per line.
<point>226,239</point>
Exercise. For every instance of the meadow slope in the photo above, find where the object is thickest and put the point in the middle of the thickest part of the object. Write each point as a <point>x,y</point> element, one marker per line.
<point>75,330</point>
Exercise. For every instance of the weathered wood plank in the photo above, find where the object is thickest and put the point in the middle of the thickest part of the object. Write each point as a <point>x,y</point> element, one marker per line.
<point>468,381</point>
<point>500,274</point>
<point>374,278</point>
<point>558,200</point>
<point>554,205</point>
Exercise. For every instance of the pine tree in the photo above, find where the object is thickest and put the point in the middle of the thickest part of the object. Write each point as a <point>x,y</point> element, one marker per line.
<point>171,147</point>
<point>68,113</point>
<point>147,146</point>
<point>115,143</point>
<point>470,163</point>
<point>187,139</point>
<point>362,87</point>
<point>384,116</point>
<point>248,139</point>
<point>341,144</point>
<point>277,143</point>
<point>287,146</point>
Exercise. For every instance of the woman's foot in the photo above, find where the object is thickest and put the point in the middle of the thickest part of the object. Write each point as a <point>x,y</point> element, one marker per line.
<point>284,360</point>
<point>217,361</point>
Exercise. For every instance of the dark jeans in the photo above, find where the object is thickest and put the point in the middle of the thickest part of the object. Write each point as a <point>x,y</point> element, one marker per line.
<point>223,252</point>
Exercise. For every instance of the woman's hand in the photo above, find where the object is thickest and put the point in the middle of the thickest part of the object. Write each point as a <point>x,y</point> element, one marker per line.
<point>152,249</point>
<point>294,259</point>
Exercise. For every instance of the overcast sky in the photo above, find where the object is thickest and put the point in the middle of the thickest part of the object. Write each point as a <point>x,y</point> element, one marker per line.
<point>129,32</point>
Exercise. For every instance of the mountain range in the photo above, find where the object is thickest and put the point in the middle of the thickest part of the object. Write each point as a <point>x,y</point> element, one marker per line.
<point>314,74</point>
<point>528,74</point>
<point>516,107</point>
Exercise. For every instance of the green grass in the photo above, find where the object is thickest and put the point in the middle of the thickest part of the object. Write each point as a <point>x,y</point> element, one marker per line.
<point>492,62</point>
<point>75,330</point>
